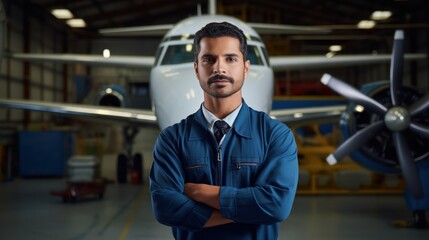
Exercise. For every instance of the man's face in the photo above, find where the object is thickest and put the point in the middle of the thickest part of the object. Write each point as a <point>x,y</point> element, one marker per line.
<point>220,66</point>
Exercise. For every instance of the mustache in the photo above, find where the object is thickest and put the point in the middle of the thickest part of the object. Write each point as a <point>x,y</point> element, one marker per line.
<point>218,77</point>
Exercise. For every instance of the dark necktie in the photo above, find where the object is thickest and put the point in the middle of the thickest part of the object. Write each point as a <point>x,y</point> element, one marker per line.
<point>220,128</point>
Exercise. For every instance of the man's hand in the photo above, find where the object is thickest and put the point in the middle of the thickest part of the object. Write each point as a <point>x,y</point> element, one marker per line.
<point>203,193</point>
<point>209,195</point>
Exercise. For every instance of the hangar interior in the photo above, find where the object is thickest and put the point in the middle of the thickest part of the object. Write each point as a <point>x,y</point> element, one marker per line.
<point>36,147</point>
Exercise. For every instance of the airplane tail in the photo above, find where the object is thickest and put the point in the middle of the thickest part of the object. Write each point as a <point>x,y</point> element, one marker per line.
<point>212,7</point>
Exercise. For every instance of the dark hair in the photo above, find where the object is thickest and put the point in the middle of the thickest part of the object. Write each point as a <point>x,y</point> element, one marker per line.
<point>220,29</point>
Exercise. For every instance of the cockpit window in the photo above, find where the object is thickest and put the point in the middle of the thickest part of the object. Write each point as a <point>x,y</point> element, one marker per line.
<point>176,54</point>
<point>157,55</point>
<point>254,55</point>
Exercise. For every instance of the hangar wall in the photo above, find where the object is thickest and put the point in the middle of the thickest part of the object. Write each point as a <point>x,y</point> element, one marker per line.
<point>39,81</point>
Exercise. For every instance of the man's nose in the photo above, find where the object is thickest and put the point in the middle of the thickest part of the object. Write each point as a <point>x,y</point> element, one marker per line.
<point>219,67</point>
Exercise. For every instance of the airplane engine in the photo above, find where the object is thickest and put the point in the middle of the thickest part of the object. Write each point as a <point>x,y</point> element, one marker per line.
<point>386,129</point>
<point>112,96</point>
<point>378,153</point>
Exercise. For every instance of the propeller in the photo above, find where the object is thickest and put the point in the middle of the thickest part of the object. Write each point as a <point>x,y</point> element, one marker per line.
<point>397,119</point>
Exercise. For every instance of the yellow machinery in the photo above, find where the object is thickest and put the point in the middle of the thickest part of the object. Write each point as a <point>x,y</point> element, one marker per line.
<point>346,177</point>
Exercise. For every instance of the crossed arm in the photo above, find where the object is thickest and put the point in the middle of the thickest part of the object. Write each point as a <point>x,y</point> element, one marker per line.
<point>209,195</point>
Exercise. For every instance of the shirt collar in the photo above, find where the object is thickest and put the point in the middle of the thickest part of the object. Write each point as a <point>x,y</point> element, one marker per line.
<point>211,118</point>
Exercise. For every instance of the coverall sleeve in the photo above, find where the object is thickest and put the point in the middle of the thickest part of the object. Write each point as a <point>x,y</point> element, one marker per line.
<point>170,206</point>
<point>270,199</point>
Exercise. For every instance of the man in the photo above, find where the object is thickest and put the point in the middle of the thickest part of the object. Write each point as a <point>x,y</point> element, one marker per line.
<point>240,187</point>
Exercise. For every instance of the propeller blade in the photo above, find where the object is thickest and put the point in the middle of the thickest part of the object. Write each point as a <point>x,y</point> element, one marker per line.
<point>408,166</point>
<point>354,142</point>
<point>420,129</point>
<point>353,94</point>
<point>419,105</point>
<point>397,67</point>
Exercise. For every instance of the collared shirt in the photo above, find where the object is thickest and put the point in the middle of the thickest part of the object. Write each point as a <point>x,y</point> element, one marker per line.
<point>211,119</point>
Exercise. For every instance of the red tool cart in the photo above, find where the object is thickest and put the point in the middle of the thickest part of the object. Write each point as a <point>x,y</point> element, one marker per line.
<point>82,180</point>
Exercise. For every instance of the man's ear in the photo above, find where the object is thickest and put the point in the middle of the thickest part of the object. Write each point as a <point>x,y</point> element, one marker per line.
<point>246,68</point>
<point>196,68</point>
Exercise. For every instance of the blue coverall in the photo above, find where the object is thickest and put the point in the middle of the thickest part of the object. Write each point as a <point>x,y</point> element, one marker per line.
<point>256,167</point>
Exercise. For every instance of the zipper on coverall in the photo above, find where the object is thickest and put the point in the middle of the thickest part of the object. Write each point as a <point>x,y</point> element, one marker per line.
<point>219,164</point>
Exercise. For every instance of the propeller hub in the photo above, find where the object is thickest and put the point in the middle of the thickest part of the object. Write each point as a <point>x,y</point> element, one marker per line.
<point>397,119</point>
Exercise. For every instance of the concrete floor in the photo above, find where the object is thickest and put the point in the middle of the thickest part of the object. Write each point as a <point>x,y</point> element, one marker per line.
<point>29,211</point>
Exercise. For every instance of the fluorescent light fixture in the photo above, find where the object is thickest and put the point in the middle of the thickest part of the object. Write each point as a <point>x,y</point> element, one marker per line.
<point>298,115</point>
<point>335,48</point>
<point>330,54</point>
<point>106,53</point>
<point>62,13</point>
<point>76,23</point>
<point>366,24</point>
<point>381,15</point>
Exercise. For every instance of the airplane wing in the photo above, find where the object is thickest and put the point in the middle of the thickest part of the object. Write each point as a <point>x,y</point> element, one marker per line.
<point>122,61</point>
<point>148,31</point>
<point>293,116</point>
<point>125,115</point>
<point>289,116</point>
<point>262,28</point>
<point>266,28</point>
<point>277,62</point>
<point>296,116</point>
<point>301,62</point>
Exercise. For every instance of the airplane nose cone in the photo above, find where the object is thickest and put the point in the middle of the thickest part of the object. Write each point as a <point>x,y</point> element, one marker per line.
<point>397,119</point>
<point>176,93</point>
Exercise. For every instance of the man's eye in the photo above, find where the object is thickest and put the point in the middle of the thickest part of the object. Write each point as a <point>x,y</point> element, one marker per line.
<point>207,59</point>
<point>232,59</point>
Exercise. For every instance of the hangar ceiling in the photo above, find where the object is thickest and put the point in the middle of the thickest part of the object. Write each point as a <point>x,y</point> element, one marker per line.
<point>340,16</point>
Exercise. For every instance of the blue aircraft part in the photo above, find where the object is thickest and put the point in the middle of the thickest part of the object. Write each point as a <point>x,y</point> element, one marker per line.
<point>83,87</point>
<point>420,203</point>
<point>116,88</point>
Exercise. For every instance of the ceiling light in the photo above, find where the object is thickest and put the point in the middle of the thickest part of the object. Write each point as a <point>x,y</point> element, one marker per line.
<point>62,13</point>
<point>366,24</point>
<point>335,48</point>
<point>381,15</point>
<point>106,53</point>
<point>76,23</point>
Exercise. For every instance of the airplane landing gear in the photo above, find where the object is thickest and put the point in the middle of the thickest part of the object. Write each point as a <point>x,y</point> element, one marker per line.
<point>129,163</point>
